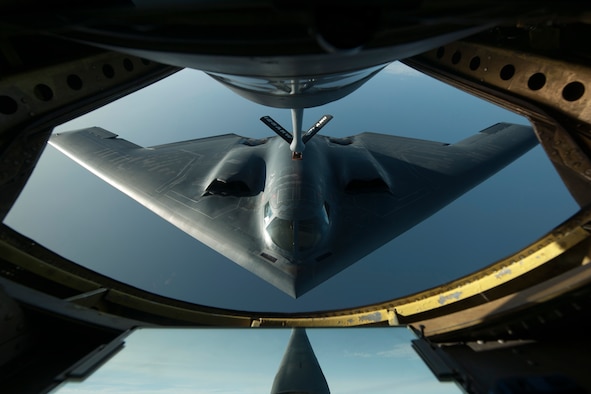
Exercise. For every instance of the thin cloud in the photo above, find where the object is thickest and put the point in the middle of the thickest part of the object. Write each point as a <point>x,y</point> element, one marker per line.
<point>358,354</point>
<point>401,350</point>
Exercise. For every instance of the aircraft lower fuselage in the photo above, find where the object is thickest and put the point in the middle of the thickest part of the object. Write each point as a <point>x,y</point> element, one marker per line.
<point>296,223</point>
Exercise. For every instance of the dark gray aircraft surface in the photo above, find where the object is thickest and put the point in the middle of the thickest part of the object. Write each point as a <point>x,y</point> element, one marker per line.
<point>295,218</point>
<point>299,371</point>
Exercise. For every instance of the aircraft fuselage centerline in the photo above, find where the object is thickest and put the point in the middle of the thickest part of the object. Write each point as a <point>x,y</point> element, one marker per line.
<point>294,199</point>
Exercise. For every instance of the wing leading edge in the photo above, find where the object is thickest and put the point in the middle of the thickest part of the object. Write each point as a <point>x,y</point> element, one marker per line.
<point>211,188</point>
<point>206,187</point>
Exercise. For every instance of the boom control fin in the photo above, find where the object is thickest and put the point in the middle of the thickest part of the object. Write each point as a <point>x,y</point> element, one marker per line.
<point>297,141</point>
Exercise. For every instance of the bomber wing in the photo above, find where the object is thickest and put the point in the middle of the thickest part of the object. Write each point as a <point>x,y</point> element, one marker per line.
<point>388,184</point>
<point>206,187</point>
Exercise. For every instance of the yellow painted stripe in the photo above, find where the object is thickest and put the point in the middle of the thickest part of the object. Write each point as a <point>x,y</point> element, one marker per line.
<point>46,270</point>
<point>509,269</point>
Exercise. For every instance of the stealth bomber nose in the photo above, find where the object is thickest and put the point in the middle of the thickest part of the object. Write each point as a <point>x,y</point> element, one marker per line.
<point>295,222</point>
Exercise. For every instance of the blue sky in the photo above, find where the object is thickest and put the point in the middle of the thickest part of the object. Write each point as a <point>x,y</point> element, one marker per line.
<point>228,361</point>
<point>95,225</point>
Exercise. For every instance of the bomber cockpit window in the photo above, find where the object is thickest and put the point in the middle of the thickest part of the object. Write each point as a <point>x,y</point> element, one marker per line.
<point>268,214</point>
<point>282,233</point>
<point>325,212</point>
<point>310,233</point>
<point>295,235</point>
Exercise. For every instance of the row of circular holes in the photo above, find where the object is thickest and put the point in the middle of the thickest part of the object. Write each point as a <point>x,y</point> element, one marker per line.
<point>571,91</point>
<point>9,106</point>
